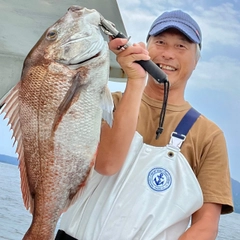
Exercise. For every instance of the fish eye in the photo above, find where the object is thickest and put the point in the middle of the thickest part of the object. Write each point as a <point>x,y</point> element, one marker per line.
<point>52,35</point>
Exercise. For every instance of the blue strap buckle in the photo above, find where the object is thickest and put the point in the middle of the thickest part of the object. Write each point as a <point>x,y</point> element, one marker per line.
<point>177,139</point>
<point>180,133</point>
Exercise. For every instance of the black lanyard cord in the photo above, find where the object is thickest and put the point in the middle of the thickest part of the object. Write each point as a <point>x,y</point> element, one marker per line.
<point>163,110</point>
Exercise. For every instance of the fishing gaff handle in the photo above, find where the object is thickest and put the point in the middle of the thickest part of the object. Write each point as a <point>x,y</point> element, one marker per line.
<point>148,65</point>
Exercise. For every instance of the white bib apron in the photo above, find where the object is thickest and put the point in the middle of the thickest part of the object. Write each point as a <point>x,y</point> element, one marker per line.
<point>152,197</point>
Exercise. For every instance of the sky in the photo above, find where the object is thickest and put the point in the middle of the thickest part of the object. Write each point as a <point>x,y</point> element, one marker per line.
<point>214,86</point>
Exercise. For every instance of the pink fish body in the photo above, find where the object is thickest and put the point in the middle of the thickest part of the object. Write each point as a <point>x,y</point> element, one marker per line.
<point>55,112</point>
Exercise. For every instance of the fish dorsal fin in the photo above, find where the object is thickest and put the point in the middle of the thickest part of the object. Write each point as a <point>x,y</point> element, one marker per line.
<point>107,106</point>
<point>11,108</point>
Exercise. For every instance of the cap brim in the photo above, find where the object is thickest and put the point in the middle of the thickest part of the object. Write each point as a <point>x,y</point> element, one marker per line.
<point>186,30</point>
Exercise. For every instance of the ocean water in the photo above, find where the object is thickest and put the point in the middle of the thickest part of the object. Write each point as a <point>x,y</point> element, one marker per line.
<point>15,219</point>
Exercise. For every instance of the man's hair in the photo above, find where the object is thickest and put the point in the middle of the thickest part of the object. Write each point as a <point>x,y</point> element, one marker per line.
<point>198,52</point>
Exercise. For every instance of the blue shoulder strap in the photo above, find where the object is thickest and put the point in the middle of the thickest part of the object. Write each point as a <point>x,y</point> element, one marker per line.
<point>181,131</point>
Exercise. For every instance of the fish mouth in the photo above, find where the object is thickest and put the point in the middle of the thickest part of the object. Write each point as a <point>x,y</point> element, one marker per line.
<point>76,65</point>
<point>84,61</point>
<point>85,57</point>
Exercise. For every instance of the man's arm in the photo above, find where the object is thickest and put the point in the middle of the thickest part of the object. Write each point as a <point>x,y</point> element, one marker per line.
<point>204,223</point>
<point>115,142</point>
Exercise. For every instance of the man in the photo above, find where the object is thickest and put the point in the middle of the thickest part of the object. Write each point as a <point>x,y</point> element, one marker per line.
<point>147,188</point>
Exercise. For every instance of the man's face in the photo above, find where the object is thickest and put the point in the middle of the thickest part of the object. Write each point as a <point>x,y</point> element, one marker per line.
<point>174,54</point>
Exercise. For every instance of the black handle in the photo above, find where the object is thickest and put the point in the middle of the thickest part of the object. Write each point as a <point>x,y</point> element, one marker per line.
<point>153,70</point>
<point>149,66</point>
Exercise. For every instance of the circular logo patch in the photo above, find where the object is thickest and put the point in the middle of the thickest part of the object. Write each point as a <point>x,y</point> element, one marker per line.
<point>159,179</point>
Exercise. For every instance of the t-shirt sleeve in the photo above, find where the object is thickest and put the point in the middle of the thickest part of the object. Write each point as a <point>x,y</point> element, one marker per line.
<point>214,175</point>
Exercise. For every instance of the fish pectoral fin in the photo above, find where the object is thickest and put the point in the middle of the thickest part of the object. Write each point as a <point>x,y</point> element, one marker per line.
<point>107,106</point>
<point>70,98</point>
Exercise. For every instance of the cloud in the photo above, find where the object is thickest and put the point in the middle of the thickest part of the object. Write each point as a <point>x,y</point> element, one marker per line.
<point>220,24</point>
<point>220,72</point>
<point>137,23</point>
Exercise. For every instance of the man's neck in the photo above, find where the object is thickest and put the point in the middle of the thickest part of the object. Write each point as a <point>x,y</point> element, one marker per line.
<point>175,96</point>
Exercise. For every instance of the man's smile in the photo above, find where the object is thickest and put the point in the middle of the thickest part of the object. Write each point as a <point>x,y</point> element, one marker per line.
<point>166,67</point>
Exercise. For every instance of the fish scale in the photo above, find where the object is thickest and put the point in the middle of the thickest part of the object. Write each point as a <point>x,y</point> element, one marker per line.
<point>55,112</point>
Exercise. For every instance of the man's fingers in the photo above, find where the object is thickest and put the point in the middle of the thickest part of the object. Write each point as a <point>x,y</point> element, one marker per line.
<point>116,44</point>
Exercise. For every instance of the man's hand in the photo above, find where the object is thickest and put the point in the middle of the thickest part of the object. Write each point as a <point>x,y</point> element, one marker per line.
<point>126,58</point>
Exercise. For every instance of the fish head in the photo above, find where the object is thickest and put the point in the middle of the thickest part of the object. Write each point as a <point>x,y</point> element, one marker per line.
<point>74,40</point>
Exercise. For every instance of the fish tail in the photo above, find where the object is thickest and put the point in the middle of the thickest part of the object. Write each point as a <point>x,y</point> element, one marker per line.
<point>40,229</point>
<point>32,235</point>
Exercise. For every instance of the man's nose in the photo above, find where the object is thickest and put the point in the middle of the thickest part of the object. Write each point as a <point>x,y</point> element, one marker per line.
<point>168,53</point>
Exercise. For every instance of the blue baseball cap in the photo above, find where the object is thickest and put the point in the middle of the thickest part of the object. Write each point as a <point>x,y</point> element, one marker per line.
<point>179,20</point>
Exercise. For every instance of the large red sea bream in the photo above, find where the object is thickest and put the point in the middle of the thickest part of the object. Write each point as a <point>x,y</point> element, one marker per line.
<point>55,112</point>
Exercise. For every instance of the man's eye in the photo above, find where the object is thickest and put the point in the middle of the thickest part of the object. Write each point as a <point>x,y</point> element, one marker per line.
<point>159,42</point>
<point>181,46</point>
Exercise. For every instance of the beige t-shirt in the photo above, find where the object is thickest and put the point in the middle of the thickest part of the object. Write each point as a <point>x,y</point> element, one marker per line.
<point>204,147</point>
